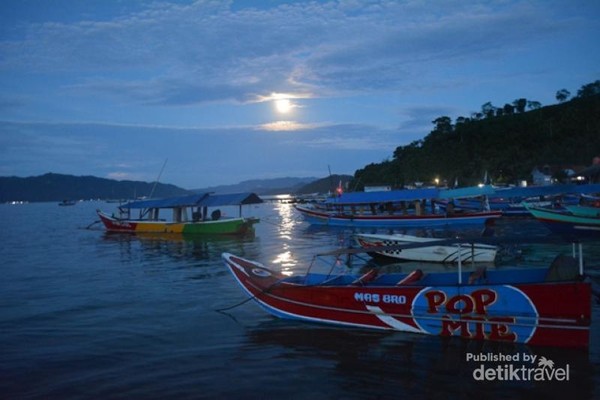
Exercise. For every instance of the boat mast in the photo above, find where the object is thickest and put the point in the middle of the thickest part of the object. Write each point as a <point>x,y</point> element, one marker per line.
<point>158,178</point>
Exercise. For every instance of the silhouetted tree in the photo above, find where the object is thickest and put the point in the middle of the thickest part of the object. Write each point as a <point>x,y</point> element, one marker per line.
<point>520,105</point>
<point>488,109</point>
<point>534,105</point>
<point>509,145</point>
<point>562,95</point>
<point>461,120</point>
<point>443,124</point>
<point>508,109</point>
<point>591,89</point>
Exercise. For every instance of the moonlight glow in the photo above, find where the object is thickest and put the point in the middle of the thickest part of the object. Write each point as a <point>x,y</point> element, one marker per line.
<point>283,106</point>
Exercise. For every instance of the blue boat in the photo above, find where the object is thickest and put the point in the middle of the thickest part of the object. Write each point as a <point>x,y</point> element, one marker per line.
<point>510,200</point>
<point>394,209</point>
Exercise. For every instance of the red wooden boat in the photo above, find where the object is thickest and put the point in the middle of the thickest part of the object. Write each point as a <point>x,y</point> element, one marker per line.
<point>538,306</point>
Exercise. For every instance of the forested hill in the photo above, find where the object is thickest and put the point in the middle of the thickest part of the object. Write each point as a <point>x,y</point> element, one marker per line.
<point>57,187</point>
<point>507,143</point>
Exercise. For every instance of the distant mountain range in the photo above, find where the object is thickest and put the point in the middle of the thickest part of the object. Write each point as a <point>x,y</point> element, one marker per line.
<point>261,186</point>
<point>325,185</point>
<point>282,185</point>
<point>58,187</point>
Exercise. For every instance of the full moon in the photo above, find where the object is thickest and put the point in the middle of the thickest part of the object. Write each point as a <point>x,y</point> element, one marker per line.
<point>283,105</point>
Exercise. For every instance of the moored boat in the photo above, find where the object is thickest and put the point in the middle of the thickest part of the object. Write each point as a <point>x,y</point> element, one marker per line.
<point>391,246</point>
<point>584,211</point>
<point>510,200</point>
<point>566,222</point>
<point>505,305</point>
<point>67,203</point>
<point>393,209</point>
<point>190,215</point>
<point>335,218</point>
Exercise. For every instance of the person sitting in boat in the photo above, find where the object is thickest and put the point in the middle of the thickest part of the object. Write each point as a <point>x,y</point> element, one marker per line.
<point>215,215</point>
<point>417,207</point>
<point>450,207</point>
<point>197,215</point>
<point>488,229</point>
<point>389,207</point>
<point>373,209</point>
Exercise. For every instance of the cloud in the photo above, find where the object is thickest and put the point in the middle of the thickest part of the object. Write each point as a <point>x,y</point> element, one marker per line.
<point>196,157</point>
<point>192,81</point>
<point>348,137</point>
<point>11,102</point>
<point>420,118</point>
<point>173,54</point>
<point>125,176</point>
<point>285,126</point>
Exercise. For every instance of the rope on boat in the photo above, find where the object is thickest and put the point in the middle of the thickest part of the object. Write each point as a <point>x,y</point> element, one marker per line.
<point>253,297</point>
<point>222,310</point>
<point>93,223</point>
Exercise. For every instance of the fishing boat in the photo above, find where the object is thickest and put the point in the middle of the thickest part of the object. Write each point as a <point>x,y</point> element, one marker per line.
<point>510,200</point>
<point>584,211</point>
<point>391,246</point>
<point>393,209</point>
<point>579,221</point>
<point>548,306</point>
<point>67,203</point>
<point>192,214</point>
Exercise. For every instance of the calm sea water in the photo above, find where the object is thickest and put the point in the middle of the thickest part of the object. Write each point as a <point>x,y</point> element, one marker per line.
<point>85,314</point>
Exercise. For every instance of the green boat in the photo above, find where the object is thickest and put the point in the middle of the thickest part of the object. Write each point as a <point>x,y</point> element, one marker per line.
<point>584,211</point>
<point>566,222</point>
<point>194,214</point>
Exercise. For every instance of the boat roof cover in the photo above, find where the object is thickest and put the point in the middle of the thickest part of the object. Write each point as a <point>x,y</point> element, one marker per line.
<point>384,196</point>
<point>471,191</point>
<point>234,199</point>
<point>197,200</point>
<point>549,190</point>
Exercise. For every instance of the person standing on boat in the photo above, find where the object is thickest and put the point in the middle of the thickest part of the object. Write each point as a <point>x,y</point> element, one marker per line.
<point>485,203</point>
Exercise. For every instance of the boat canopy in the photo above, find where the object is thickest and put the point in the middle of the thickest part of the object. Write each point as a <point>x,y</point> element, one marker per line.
<point>471,191</point>
<point>350,198</point>
<point>384,196</point>
<point>234,199</point>
<point>196,200</point>
<point>549,190</point>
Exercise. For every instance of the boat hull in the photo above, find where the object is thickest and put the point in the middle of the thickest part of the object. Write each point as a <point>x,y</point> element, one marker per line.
<point>475,252</point>
<point>516,313</point>
<point>229,226</point>
<point>566,223</point>
<point>320,217</point>
<point>584,211</point>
